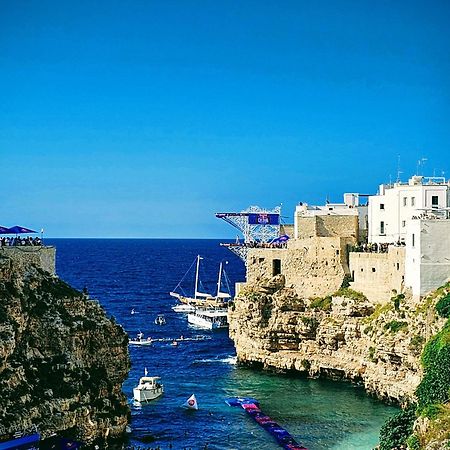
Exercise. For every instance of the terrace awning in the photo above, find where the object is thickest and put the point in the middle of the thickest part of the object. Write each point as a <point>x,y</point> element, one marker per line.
<point>18,230</point>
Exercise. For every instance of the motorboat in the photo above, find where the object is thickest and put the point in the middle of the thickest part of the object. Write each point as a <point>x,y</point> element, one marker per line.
<point>141,340</point>
<point>210,319</point>
<point>148,389</point>
<point>183,308</point>
<point>160,319</point>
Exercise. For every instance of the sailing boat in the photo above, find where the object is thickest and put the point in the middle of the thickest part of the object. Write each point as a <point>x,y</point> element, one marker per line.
<point>191,403</point>
<point>200,298</point>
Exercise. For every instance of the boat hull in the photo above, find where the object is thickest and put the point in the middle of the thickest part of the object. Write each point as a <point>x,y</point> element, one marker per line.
<point>146,395</point>
<point>203,323</point>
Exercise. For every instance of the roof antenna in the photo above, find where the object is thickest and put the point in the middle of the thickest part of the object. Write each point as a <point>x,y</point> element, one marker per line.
<point>420,163</point>
<point>398,169</point>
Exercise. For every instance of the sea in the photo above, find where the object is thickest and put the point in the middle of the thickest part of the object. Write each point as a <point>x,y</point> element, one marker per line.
<point>132,279</point>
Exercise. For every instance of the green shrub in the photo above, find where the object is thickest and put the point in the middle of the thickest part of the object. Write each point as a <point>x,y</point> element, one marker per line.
<point>396,301</point>
<point>443,306</point>
<point>397,429</point>
<point>306,364</point>
<point>435,384</point>
<point>346,281</point>
<point>416,344</point>
<point>350,293</point>
<point>413,442</point>
<point>323,304</point>
<point>310,322</point>
<point>394,325</point>
<point>372,351</point>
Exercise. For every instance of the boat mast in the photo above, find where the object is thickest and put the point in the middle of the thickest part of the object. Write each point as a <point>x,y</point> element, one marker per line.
<point>196,276</point>
<point>220,279</point>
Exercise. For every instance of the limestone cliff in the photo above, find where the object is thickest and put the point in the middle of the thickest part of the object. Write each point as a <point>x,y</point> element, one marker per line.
<point>342,336</point>
<point>62,361</point>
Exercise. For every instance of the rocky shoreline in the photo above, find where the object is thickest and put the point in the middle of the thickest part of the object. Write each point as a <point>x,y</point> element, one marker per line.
<point>62,361</point>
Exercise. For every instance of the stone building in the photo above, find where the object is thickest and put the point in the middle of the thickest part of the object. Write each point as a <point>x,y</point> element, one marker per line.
<point>316,262</point>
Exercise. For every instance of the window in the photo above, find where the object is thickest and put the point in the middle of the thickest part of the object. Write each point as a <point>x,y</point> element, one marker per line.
<point>398,266</point>
<point>261,260</point>
<point>276,267</point>
<point>405,200</point>
<point>413,201</point>
<point>373,269</point>
<point>403,223</point>
<point>434,201</point>
<point>381,205</point>
<point>413,240</point>
<point>381,227</point>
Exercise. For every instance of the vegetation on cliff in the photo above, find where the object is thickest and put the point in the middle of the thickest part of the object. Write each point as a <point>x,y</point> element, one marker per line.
<point>426,422</point>
<point>62,361</point>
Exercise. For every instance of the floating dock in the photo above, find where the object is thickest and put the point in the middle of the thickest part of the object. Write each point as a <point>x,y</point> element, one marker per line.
<point>251,407</point>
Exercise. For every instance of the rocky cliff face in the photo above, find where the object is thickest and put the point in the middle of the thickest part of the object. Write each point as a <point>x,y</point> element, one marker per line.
<point>62,361</point>
<point>341,336</point>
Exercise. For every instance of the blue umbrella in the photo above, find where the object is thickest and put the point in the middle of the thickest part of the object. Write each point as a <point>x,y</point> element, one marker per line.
<point>19,230</point>
<point>3,230</point>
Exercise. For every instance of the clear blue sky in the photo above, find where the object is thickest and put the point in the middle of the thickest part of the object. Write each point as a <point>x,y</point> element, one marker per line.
<point>143,118</point>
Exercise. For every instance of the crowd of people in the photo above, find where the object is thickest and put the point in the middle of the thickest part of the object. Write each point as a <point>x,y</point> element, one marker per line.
<point>20,241</point>
<point>376,248</point>
<point>258,244</point>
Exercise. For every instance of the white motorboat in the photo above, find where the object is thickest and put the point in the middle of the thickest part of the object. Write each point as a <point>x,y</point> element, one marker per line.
<point>183,308</point>
<point>141,340</point>
<point>148,389</point>
<point>210,319</point>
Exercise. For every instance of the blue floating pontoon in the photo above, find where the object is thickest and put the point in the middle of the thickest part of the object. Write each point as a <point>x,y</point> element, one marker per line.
<point>251,407</point>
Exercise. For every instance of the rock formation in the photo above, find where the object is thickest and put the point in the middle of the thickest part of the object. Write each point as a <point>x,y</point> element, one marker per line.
<point>62,361</point>
<point>340,336</point>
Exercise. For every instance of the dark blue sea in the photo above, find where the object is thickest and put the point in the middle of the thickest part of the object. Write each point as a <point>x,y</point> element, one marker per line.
<point>126,274</point>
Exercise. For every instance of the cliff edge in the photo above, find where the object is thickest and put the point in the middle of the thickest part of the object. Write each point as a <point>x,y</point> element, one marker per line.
<point>62,361</point>
<point>338,336</point>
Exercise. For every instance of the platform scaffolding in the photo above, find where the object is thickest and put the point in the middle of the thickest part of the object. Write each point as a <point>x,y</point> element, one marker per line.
<point>258,226</point>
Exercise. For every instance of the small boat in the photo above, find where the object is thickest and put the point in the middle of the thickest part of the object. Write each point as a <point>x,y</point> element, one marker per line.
<point>140,340</point>
<point>210,319</point>
<point>148,389</point>
<point>160,319</point>
<point>191,403</point>
<point>183,308</point>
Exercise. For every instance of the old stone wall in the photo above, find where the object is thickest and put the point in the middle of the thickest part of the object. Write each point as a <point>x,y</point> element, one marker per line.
<point>314,266</point>
<point>26,256</point>
<point>378,275</point>
<point>327,226</point>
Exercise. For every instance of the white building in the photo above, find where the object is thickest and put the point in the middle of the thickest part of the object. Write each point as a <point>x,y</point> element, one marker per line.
<point>350,207</point>
<point>390,211</point>
<point>427,259</point>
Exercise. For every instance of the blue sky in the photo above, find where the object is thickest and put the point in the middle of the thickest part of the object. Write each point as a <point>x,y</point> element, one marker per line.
<point>143,118</point>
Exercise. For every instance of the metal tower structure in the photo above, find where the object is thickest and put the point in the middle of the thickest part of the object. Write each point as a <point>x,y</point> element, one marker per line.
<point>257,225</point>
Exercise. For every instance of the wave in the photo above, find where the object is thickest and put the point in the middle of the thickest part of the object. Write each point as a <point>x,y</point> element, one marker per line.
<point>232,360</point>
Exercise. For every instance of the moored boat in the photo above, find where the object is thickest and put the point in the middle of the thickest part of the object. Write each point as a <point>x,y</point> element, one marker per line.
<point>211,319</point>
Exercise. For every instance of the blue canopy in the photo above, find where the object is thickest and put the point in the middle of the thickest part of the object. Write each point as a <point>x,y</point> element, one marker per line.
<point>282,238</point>
<point>3,230</point>
<point>19,230</point>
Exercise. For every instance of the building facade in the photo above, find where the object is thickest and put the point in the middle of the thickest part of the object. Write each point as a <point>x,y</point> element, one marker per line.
<point>391,210</point>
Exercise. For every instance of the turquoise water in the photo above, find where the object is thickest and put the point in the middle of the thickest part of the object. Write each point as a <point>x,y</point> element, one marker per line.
<point>139,274</point>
